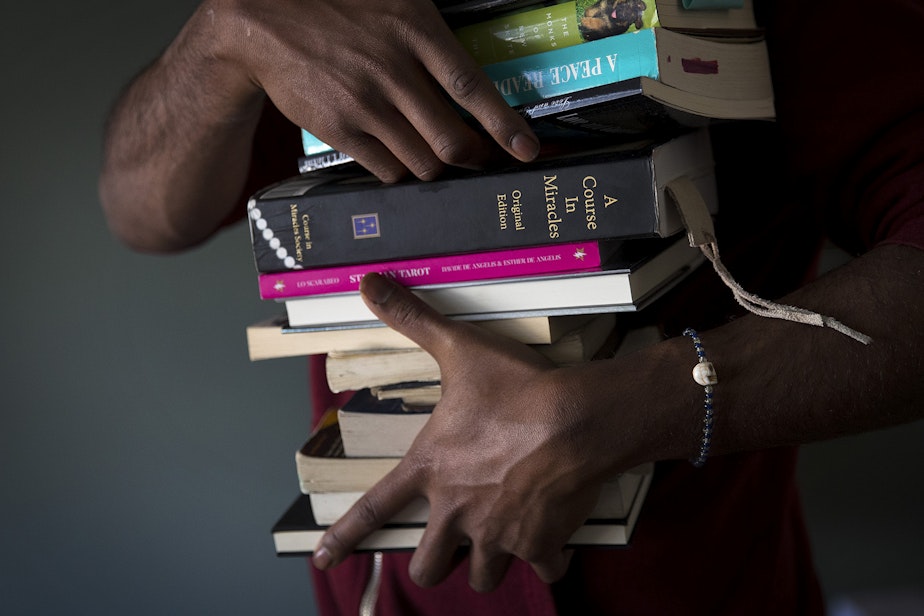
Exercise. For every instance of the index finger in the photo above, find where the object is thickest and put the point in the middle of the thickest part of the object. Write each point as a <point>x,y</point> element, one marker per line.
<point>372,511</point>
<point>468,85</point>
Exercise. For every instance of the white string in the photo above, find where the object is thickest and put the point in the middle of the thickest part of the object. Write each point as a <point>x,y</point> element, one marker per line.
<point>766,308</point>
<point>698,222</point>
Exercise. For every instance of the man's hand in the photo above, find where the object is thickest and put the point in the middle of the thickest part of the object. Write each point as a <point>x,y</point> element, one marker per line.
<point>373,78</point>
<point>510,461</point>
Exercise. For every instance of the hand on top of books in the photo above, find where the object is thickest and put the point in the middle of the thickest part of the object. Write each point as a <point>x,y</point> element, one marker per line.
<point>511,460</point>
<point>374,79</point>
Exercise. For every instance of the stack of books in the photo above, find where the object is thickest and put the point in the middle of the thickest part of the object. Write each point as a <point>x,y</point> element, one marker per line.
<point>556,253</point>
<point>332,481</point>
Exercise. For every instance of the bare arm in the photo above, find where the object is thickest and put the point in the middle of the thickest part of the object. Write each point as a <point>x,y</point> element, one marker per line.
<point>178,148</point>
<point>514,464</point>
<point>373,79</point>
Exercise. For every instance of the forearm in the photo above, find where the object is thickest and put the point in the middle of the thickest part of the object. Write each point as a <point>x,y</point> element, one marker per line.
<point>178,143</point>
<point>375,79</point>
<point>784,383</point>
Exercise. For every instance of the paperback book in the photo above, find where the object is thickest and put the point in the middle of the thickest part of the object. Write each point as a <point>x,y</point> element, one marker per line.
<point>322,466</point>
<point>275,338</point>
<point>442,269</point>
<point>420,393</point>
<point>616,498</point>
<point>297,533</point>
<point>705,66</point>
<point>353,370</point>
<point>633,281</point>
<point>373,428</point>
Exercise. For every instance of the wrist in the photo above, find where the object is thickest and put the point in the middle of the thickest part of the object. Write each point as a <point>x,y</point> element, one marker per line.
<point>646,405</point>
<point>209,57</point>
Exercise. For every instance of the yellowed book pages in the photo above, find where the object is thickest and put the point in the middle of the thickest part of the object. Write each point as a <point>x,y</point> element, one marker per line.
<point>352,370</point>
<point>271,338</point>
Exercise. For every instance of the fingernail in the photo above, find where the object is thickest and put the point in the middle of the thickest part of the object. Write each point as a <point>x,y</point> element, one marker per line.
<point>321,558</point>
<point>377,288</point>
<point>525,146</point>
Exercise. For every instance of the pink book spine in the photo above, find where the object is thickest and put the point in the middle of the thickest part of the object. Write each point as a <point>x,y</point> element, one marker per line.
<point>551,259</point>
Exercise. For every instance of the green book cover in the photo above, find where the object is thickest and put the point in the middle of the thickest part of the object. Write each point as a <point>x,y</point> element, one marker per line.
<point>546,28</point>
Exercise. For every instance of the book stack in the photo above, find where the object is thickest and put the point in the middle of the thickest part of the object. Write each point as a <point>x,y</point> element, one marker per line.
<point>331,482</point>
<point>556,253</point>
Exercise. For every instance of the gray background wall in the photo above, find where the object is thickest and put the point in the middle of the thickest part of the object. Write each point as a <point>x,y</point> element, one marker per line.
<point>143,458</point>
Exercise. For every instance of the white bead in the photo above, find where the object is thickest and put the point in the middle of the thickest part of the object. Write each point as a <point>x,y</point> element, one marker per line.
<point>704,374</point>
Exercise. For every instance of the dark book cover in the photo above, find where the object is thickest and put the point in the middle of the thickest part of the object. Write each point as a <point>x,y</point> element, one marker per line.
<point>618,111</point>
<point>337,217</point>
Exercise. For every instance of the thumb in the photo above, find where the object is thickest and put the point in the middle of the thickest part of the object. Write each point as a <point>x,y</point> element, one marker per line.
<point>405,313</point>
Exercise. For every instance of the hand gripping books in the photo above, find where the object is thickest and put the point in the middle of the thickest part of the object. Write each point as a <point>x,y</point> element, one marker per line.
<point>297,532</point>
<point>330,218</point>
<point>539,54</point>
<point>331,483</point>
<point>353,370</point>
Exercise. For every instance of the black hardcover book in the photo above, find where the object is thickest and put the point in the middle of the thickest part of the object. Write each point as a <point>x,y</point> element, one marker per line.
<point>335,217</point>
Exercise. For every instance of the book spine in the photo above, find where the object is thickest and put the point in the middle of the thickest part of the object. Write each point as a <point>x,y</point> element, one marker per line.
<point>316,225</point>
<point>550,259</point>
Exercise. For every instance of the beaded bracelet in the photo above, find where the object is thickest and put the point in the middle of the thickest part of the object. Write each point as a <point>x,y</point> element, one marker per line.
<point>704,374</point>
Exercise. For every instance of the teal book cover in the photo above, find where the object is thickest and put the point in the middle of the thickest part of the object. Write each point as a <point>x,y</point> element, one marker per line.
<point>570,69</point>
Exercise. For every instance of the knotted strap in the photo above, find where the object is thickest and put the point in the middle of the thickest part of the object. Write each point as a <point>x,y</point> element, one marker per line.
<point>701,233</point>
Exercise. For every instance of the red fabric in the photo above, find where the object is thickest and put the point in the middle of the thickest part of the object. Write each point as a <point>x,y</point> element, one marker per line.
<point>846,159</point>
